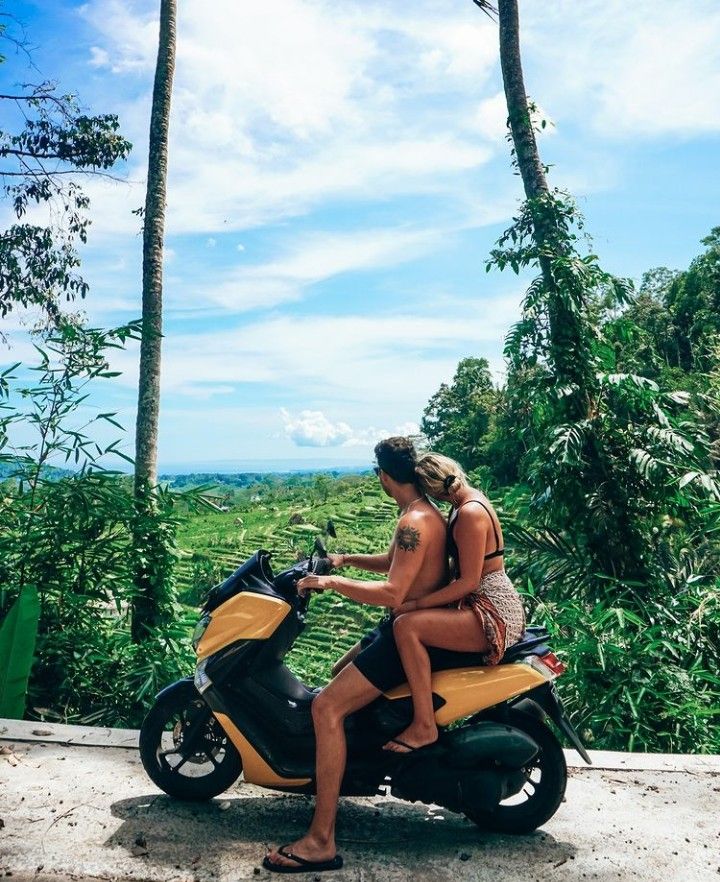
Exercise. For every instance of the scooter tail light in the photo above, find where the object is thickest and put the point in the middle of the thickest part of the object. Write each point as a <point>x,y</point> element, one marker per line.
<point>551,661</point>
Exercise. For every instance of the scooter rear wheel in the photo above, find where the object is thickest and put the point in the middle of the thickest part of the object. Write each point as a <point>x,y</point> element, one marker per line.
<point>199,771</point>
<point>543,791</point>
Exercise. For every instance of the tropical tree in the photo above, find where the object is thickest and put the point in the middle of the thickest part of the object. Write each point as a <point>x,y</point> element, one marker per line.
<point>47,145</point>
<point>615,542</point>
<point>152,590</point>
<point>609,453</point>
<point>457,419</point>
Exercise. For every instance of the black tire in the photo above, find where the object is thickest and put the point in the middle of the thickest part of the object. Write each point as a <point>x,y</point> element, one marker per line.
<point>208,769</point>
<point>546,775</point>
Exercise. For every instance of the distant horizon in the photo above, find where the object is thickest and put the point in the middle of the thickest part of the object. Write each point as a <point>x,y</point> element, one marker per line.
<point>261,466</point>
<point>267,466</point>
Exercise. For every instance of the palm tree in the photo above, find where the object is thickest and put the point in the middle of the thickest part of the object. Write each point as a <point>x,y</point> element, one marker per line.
<point>148,590</point>
<point>523,134</point>
<point>567,336</point>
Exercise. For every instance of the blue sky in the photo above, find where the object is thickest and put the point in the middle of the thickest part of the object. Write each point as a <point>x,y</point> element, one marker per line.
<point>338,174</point>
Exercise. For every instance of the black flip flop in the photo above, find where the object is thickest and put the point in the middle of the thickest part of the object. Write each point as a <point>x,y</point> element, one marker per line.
<point>410,748</point>
<point>304,865</point>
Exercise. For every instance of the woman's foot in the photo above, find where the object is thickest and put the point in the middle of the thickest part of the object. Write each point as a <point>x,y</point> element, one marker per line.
<point>308,847</point>
<point>414,737</point>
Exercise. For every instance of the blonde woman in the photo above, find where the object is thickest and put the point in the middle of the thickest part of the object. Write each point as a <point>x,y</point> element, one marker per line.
<point>478,611</point>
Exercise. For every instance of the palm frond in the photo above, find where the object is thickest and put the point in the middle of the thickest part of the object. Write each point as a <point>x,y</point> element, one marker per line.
<point>488,8</point>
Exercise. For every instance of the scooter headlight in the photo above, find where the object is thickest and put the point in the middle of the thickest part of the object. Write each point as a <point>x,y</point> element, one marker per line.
<point>200,629</point>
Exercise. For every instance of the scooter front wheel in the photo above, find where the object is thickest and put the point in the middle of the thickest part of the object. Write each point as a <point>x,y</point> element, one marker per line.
<point>544,787</point>
<point>184,749</point>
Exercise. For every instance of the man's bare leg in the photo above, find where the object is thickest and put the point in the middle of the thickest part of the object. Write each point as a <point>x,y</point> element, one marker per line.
<point>346,659</point>
<point>348,692</point>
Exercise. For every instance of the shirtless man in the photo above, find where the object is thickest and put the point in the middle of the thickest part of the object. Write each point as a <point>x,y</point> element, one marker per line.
<point>416,564</point>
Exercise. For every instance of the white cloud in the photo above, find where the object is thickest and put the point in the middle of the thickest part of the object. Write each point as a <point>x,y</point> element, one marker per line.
<point>362,101</point>
<point>323,100</point>
<point>311,428</point>
<point>628,69</point>
<point>370,366</point>
<point>312,258</point>
<point>491,117</point>
<point>98,57</point>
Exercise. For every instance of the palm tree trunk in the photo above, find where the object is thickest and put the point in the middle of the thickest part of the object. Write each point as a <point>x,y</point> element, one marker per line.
<point>564,326</point>
<point>528,158</point>
<point>147,591</point>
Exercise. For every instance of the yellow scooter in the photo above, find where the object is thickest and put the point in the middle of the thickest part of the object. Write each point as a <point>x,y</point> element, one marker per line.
<point>245,712</point>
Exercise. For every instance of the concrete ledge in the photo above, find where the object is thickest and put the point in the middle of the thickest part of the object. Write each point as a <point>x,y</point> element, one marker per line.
<point>60,733</point>
<point>94,736</point>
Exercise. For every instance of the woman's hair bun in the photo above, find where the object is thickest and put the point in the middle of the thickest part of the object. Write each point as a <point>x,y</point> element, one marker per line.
<point>449,481</point>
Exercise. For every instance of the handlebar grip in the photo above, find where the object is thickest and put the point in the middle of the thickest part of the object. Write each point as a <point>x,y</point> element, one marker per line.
<point>323,567</point>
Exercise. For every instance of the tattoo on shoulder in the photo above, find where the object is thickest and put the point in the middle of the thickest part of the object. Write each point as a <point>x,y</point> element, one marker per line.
<point>408,538</point>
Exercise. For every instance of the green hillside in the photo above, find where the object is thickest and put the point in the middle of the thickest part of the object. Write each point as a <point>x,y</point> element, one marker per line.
<point>285,518</point>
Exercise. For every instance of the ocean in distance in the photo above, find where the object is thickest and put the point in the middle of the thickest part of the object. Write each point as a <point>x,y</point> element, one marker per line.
<point>261,466</point>
<point>218,467</point>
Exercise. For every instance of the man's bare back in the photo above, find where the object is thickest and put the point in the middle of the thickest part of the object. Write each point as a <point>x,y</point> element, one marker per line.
<point>424,534</point>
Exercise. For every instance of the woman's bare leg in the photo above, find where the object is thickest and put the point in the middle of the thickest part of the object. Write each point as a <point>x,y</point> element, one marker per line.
<point>456,629</point>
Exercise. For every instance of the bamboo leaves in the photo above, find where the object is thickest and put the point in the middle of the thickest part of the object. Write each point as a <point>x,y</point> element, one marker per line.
<point>18,634</point>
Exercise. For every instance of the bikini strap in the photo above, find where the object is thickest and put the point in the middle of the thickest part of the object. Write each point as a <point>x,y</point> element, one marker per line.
<point>498,551</point>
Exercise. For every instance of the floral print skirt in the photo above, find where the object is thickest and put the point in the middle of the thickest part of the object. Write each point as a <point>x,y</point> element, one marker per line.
<point>499,609</point>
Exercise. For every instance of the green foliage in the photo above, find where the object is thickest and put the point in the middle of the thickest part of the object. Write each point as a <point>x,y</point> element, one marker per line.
<point>54,145</point>
<point>99,675</point>
<point>17,646</point>
<point>54,531</point>
<point>671,328</point>
<point>642,679</point>
<point>458,417</point>
<point>619,457</point>
<point>608,453</point>
<point>69,534</point>
<point>152,526</point>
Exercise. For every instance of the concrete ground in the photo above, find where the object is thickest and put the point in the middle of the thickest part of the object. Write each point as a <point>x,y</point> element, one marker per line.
<point>76,804</point>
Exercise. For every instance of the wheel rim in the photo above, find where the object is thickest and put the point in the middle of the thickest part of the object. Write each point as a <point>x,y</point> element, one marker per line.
<point>535,777</point>
<point>207,754</point>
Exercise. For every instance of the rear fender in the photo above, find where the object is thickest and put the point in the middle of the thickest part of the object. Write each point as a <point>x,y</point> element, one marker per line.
<point>547,699</point>
<point>488,741</point>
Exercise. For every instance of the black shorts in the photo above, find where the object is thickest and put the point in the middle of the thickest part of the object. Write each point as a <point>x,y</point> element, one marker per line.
<point>379,660</point>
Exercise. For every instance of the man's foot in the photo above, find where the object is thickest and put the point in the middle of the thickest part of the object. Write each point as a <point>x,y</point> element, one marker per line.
<point>413,738</point>
<point>306,849</point>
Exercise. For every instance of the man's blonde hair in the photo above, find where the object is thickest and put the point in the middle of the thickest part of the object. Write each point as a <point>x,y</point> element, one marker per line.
<point>439,475</point>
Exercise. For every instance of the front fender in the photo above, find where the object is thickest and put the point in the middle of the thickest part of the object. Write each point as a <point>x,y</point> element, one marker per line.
<point>186,685</point>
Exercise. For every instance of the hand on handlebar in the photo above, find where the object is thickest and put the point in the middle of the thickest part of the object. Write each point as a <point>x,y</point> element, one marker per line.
<point>336,560</point>
<point>312,582</point>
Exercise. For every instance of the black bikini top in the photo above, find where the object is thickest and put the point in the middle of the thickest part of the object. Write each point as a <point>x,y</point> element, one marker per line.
<point>452,545</point>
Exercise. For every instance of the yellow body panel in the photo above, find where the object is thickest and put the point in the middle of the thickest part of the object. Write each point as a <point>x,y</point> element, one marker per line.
<point>246,616</point>
<point>255,769</point>
<point>469,690</point>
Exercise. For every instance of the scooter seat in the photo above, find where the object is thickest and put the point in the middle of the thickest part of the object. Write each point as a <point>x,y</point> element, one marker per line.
<point>532,642</point>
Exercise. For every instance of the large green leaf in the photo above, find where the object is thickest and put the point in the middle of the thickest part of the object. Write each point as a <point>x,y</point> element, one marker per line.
<point>17,647</point>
